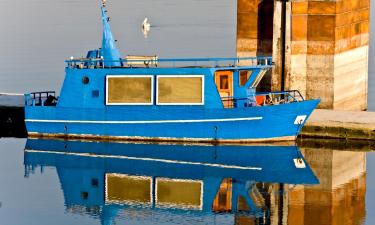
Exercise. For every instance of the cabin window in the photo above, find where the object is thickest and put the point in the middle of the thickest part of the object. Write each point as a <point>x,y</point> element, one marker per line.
<point>224,83</point>
<point>180,90</point>
<point>244,77</point>
<point>129,90</point>
<point>85,80</point>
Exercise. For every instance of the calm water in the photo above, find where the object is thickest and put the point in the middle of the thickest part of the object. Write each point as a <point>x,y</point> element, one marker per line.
<point>55,188</point>
<point>38,35</point>
<point>56,182</point>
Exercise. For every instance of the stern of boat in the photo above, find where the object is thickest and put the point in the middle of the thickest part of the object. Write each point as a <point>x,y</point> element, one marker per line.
<point>39,106</point>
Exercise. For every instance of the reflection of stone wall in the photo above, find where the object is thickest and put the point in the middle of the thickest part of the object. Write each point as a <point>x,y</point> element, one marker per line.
<point>339,199</point>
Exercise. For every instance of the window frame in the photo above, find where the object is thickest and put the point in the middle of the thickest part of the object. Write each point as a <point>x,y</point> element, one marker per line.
<point>130,76</point>
<point>177,103</point>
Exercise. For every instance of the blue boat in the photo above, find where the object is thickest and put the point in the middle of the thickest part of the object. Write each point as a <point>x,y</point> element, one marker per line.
<point>156,181</point>
<point>108,97</point>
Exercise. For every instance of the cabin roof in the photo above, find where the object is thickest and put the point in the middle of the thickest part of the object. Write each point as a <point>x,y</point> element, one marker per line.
<point>155,62</point>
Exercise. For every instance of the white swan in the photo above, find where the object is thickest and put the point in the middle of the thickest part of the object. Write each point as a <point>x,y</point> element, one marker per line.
<point>146,25</point>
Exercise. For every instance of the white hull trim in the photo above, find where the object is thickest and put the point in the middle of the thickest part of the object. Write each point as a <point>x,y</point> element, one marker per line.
<point>148,159</point>
<point>145,121</point>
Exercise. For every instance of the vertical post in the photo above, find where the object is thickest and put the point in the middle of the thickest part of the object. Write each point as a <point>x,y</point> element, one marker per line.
<point>283,32</point>
<point>281,45</point>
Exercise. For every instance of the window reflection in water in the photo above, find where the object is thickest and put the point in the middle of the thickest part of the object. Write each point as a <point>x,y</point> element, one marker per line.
<point>250,184</point>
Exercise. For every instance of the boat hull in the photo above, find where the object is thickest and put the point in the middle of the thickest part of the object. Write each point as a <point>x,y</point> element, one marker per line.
<point>172,123</point>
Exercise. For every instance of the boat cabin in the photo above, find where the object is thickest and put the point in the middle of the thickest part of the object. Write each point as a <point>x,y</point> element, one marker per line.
<point>104,79</point>
<point>212,83</point>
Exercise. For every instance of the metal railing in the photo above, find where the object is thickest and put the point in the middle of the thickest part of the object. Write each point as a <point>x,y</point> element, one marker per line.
<point>263,99</point>
<point>97,63</point>
<point>41,98</point>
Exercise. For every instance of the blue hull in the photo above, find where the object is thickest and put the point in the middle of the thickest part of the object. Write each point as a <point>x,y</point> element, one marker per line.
<point>146,98</point>
<point>275,122</point>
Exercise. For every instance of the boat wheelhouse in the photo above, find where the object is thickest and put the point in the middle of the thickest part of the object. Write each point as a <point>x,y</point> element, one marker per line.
<point>105,96</point>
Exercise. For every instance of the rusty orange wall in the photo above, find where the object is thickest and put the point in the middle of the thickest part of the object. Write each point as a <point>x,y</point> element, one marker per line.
<point>326,54</point>
<point>329,51</point>
<point>254,27</point>
<point>329,27</point>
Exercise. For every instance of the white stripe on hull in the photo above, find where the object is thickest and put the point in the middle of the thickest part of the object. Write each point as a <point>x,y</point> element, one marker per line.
<point>145,121</point>
<point>148,159</point>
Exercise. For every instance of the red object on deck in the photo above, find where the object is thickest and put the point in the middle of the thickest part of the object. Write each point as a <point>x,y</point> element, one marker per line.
<point>259,99</point>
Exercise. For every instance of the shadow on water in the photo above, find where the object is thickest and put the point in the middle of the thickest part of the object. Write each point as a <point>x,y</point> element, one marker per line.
<point>12,122</point>
<point>12,116</point>
<point>149,182</point>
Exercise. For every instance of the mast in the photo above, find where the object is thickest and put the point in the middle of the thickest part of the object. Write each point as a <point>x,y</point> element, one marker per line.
<point>109,51</point>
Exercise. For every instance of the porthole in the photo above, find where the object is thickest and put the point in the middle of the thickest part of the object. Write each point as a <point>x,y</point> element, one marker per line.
<point>85,80</point>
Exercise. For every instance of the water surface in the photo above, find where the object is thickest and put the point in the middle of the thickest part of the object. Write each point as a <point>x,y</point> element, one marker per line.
<point>57,182</point>
<point>38,35</point>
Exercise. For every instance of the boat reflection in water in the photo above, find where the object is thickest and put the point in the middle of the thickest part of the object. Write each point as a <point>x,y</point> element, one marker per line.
<point>149,183</point>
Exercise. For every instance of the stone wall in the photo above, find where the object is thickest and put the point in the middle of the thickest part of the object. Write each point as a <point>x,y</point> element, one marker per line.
<point>329,47</point>
<point>254,27</point>
<point>255,32</point>
<point>326,47</point>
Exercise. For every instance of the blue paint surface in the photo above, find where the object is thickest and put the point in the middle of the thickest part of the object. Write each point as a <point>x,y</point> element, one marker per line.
<point>77,105</point>
<point>45,186</point>
<point>83,98</point>
<point>82,108</point>
<point>109,51</point>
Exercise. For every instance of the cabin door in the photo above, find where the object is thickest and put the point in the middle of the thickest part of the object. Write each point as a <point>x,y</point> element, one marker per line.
<point>224,84</point>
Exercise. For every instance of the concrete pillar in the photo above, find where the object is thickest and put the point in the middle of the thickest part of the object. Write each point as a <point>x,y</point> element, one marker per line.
<point>326,47</point>
<point>254,27</point>
<point>281,49</point>
<point>255,32</point>
<point>329,52</point>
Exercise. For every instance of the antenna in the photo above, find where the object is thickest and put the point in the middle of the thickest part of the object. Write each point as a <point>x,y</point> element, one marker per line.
<point>109,51</point>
